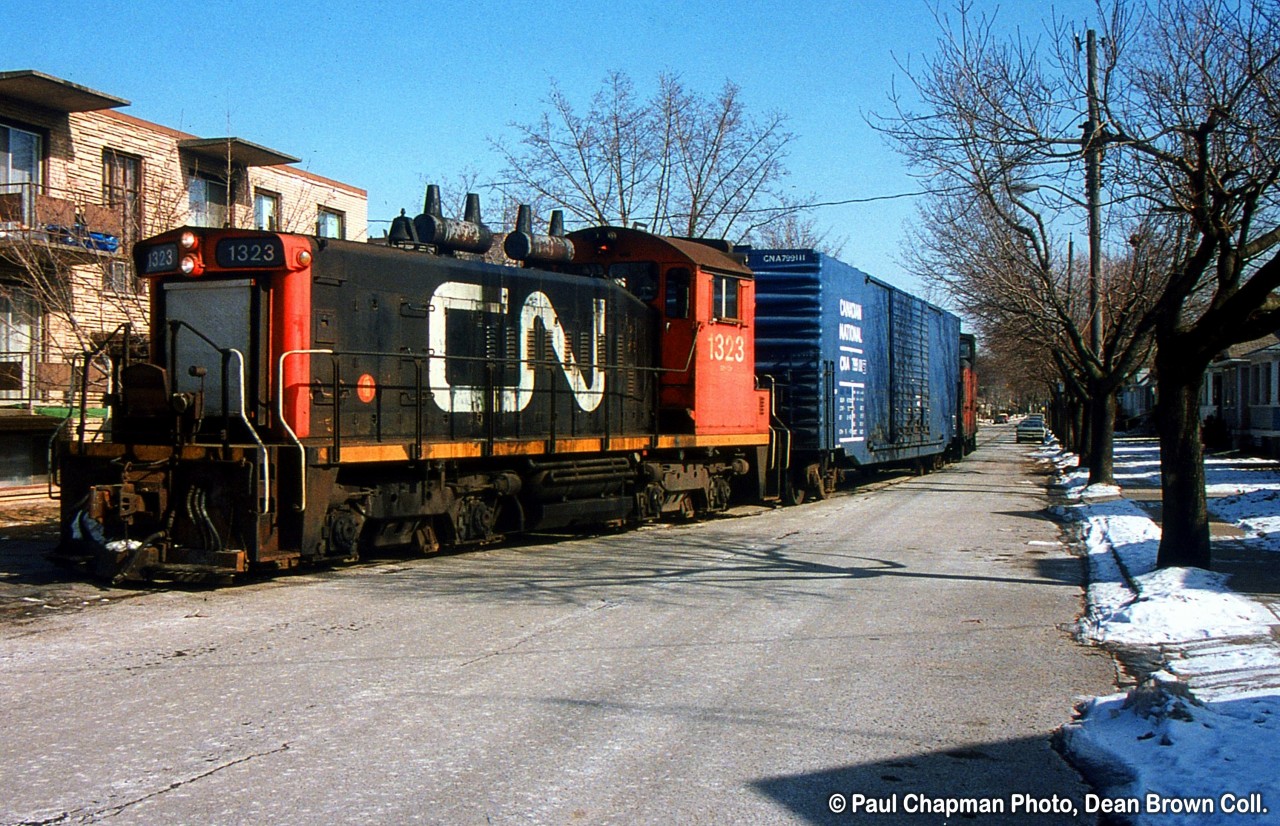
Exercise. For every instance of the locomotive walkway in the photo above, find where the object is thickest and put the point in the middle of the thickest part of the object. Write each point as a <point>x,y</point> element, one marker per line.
<point>906,642</point>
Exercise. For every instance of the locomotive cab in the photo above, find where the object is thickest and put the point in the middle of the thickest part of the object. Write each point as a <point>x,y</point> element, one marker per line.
<point>703,297</point>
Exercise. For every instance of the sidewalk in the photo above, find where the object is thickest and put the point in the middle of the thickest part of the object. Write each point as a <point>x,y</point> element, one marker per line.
<point>1198,728</point>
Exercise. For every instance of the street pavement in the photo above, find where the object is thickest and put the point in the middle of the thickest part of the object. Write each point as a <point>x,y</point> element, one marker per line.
<point>908,642</point>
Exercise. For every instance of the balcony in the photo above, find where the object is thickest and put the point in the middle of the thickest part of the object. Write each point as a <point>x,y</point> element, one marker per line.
<point>36,222</point>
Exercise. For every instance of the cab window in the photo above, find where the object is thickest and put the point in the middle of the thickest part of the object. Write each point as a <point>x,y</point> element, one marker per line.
<point>725,297</point>
<point>639,277</point>
<point>676,299</point>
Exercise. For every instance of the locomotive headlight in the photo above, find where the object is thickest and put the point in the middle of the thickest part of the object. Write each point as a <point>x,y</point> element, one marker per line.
<point>304,257</point>
<point>188,264</point>
<point>188,240</point>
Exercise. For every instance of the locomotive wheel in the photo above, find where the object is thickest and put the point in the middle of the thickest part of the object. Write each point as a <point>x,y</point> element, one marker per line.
<point>651,501</point>
<point>345,526</point>
<point>475,520</point>
<point>718,493</point>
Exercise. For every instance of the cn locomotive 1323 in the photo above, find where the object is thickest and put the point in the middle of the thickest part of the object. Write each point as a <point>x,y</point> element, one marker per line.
<point>310,400</point>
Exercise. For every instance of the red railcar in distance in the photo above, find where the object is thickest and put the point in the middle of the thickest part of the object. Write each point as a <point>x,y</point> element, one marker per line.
<point>968,413</point>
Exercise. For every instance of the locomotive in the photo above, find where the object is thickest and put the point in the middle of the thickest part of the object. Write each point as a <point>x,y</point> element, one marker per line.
<point>309,400</point>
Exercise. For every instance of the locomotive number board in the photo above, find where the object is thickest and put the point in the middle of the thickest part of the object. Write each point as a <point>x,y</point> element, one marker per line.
<point>160,258</point>
<point>249,252</point>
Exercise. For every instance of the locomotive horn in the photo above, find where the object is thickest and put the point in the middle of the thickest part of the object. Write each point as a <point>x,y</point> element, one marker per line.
<point>449,234</point>
<point>402,232</point>
<point>524,245</point>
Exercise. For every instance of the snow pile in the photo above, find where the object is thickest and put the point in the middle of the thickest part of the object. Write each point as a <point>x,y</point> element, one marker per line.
<point>1257,513</point>
<point>1069,479</point>
<point>1228,475</point>
<point>1132,602</point>
<point>1163,757</point>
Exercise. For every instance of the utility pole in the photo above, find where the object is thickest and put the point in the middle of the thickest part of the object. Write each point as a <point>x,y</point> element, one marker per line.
<point>1093,141</point>
<point>1102,400</point>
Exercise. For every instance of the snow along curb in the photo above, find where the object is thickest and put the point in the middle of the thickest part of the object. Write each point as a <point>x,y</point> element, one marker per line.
<point>1197,741</point>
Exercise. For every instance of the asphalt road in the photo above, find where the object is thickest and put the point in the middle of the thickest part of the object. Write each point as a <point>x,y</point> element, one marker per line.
<point>905,643</point>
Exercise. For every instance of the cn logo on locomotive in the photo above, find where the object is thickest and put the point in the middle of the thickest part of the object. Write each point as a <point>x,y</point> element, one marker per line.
<point>536,310</point>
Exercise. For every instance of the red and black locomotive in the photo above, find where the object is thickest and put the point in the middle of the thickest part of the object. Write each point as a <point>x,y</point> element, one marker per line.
<point>309,399</point>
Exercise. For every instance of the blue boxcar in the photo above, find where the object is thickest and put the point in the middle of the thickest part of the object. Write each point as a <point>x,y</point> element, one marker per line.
<point>865,373</point>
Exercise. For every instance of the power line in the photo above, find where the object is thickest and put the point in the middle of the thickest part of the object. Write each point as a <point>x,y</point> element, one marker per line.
<point>782,210</point>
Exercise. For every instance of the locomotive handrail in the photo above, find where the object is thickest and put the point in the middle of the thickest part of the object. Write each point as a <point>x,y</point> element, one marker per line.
<point>779,456</point>
<point>284,422</point>
<point>293,437</point>
<point>84,373</point>
<point>244,417</point>
<point>176,325</point>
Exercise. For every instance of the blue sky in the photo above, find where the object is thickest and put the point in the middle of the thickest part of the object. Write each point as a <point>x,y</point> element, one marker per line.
<point>386,96</point>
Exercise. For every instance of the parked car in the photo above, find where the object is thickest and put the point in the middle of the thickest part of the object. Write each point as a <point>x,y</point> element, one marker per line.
<point>1030,429</point>
<point>1001,418</point>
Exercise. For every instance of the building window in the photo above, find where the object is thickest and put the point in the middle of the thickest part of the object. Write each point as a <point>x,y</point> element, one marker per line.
<point>207,200</point>
<point>19,158</point>
<point>19,335</point>
<point>122,190</point>
<point>118,278</point>
<point>20,168</point>
<point>724,301</point>
<point>331,223</point>
<point>266,210</point>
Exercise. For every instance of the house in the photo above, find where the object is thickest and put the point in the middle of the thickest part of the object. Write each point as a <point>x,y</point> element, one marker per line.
<point>1136,400</point>
<point>1240,401</point>
<point>79,182</point>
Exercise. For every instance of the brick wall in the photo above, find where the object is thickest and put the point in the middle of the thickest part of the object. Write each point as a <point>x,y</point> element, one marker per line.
<point>302,194</point>
<point>73,169</point>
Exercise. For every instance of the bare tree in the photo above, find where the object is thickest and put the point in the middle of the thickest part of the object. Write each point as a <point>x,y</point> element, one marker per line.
<point>679,163</point>
<point>1188,113</point>
<point>1194,111</point>
<point>995,143</point>
<point>67,272</point>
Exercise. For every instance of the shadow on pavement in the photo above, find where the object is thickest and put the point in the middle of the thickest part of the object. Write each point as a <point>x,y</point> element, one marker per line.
<point>997,776</point>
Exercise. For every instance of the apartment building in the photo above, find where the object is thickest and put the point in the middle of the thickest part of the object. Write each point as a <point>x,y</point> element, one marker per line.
<point>81,180</point>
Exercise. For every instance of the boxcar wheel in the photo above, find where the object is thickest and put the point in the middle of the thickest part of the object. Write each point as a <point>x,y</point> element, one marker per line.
<point>792,494</point>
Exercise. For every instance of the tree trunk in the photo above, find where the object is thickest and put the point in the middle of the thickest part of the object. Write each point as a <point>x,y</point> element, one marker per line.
<point>1057,418</point>
<point>1077,427</point>
<point>1184,540</point>
<point>1084,437</point>
<point>1102,433</point>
